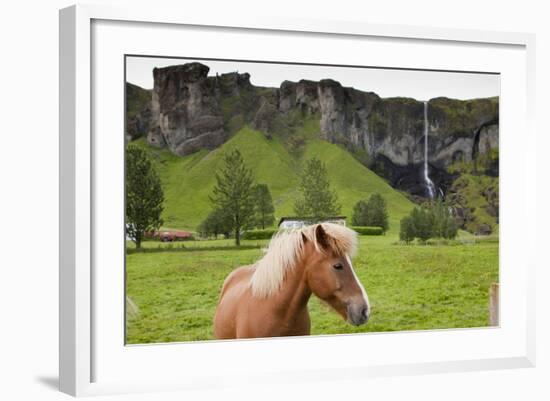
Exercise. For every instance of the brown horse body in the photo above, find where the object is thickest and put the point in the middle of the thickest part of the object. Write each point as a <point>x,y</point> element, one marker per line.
<point>270,298</point>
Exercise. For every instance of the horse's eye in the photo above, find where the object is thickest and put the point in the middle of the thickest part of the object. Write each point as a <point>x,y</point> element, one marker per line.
<point>338,266</point>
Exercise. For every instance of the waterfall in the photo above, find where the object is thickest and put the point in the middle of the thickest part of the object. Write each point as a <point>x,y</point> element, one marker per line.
<point>429,183</point>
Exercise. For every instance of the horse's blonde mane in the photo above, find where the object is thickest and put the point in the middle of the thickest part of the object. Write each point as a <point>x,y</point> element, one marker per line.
<point>286,249</point>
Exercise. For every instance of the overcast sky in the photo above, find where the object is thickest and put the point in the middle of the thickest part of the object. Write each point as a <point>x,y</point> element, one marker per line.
<point>420,85</point>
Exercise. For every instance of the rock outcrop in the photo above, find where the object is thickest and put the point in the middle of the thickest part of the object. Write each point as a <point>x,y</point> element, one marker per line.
<point>186,115</point>
<point>190,111</point>
<point>138,111</point>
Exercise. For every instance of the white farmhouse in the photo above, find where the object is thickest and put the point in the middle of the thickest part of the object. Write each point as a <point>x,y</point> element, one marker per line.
<point>299,222</point>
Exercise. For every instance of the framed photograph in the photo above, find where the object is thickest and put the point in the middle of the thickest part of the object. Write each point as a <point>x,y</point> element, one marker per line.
<point>277,200</point>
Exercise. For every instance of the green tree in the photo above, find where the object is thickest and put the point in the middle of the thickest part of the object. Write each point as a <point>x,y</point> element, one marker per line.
<point>444,224</point>
<point>359,216</point>
<point>422,220</point>
<point>263,206</point>
<point>451,230</point>
<point>144,195</point>
<point>316,199</point>
<point>233,192</point>
<point>439,214</point>
<point>372,213</point>
<point>377,212</point>
<point>216,223</point>
<point>407,231</point>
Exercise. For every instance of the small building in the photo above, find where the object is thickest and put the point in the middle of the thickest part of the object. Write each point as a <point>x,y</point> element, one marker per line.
<point>299,222</point>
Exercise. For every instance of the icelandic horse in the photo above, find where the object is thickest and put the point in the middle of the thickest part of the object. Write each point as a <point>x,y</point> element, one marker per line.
<point>270,297</point>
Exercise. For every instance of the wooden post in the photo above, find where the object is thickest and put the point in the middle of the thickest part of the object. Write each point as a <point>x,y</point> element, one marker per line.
<point>494,305</point>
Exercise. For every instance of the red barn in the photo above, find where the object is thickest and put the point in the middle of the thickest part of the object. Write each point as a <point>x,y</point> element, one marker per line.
<point>171,235</point>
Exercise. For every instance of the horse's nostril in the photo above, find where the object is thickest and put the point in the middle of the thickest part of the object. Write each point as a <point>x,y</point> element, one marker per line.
<point>358,314</point>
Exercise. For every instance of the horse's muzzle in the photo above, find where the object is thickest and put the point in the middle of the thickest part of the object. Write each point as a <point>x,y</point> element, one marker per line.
<point>358,314</point>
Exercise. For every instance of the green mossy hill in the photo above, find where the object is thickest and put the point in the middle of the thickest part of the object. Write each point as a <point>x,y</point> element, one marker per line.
<point>398,116</point>
<point>475,199</point>
<point>395,117</point>
<point>188,181</point>
<point>137,99</point>
<point>462,117</point>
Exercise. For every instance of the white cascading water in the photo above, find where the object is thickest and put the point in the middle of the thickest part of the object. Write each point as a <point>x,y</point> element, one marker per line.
<point>429,183</point>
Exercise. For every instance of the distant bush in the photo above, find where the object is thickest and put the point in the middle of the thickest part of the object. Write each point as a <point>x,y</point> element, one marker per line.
<point>216,223</point>
<point>369,230</point>
<point>430,221</point>
<point>259,234</point>
<point>407,231</point>
<point>371,213</point>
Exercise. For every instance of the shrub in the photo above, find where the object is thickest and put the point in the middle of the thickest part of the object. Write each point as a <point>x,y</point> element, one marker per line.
<point>369,230</point>
<point>444,223</point>
<point>372,213</point>
<point>423,222</point>
<point>430,221</point>
<point>216,223</point>
<point>259,234</point>
<point>407,231</point>
<point>359,213</point>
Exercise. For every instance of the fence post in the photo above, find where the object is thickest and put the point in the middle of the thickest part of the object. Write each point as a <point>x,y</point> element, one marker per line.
<point>494,291</point>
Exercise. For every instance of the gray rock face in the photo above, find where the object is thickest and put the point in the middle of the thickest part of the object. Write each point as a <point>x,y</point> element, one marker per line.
<point>185,111</point>
<point>488,139</point>
<point>190,111</point>
<point>265,117</point>
<point>138,125</point>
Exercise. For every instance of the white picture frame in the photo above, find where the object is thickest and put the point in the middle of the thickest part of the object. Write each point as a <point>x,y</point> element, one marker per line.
<point>88,321</point>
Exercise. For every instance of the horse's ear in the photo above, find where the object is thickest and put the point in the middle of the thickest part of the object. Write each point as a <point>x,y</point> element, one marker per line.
<point>321,236</point>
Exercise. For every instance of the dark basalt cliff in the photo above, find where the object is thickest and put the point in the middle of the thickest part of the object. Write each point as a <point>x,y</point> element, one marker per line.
<point>138,111</point>
<point>186,116</point>
<point>190,111</point>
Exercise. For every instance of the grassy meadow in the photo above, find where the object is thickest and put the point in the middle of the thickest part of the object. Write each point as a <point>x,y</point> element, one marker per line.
<point>411,287</point>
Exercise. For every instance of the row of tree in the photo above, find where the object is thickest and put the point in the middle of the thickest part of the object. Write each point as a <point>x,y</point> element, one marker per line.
<point>241,204</point>
<point>221,221</point>
<point>238,202</point>
<point>434,220</point>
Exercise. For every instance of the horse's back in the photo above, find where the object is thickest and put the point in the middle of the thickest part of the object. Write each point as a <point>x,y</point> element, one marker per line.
<point>235,286</point>
<point>237,277</point>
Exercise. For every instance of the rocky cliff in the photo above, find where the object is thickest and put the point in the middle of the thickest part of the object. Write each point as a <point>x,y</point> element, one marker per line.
<point>190,110</point>
<point>138,111</point>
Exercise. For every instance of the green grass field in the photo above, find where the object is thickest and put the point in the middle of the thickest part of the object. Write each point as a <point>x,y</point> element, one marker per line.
<point>188,181</point>
<point>176,286</point>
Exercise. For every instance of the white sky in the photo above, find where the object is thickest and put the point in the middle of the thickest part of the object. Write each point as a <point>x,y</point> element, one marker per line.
<point>420,85</point>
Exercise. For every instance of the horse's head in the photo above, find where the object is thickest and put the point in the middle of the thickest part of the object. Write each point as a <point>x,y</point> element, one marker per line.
<point>330,274</point>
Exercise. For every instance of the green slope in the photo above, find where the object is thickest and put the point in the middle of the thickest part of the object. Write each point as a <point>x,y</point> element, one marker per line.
<point>136,99</point>
<point>188,181</point>
<point>353,181</point>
